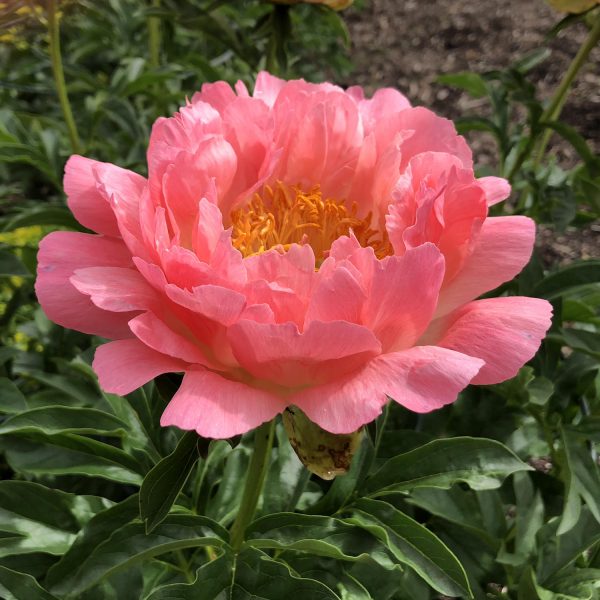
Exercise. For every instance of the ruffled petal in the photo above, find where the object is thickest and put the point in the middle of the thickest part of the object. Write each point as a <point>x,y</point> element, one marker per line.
<point>61,254</point>
<point>496,189</point>
<point>125,365</point>
<point>504,332</point>
<point>502,249</point>
<point>422,379</point>
<point>115,288</point>
<point>87,203</point>
<point>216,407</point>
<point>281,354</point>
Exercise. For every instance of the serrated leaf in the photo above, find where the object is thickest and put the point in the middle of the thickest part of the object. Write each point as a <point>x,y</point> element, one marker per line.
<point>130,545</point>
<point>481,463</point>
<point>162,484</point>
<point>413,544</point>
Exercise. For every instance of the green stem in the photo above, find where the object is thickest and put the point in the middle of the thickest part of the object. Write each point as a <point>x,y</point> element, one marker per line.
<point>154,37</point>
<point>555,107</point>
<point>59,76</point>
<point>557,103</point>
<point>259,463</point>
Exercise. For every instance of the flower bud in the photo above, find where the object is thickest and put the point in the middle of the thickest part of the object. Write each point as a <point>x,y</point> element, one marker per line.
<point>322,453</point>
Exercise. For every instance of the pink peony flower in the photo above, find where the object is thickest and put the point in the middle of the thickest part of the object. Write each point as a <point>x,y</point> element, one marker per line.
<point>302,245</point>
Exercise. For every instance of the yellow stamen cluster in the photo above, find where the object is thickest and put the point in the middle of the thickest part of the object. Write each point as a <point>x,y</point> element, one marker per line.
<point>284,215</point>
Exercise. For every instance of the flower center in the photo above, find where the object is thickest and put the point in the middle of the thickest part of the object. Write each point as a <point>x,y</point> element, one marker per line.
<point>284,215</point>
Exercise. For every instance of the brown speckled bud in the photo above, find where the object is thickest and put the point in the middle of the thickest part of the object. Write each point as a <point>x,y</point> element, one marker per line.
<point>322,453</point>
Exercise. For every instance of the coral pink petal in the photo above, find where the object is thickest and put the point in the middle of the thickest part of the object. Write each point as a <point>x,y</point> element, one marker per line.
<point>338,296</point>
<point>115,288</point>
<point>219,95</point>
<point>496,189</point>
<point>216,407</point>
<point>125,365</point>
<point>422,379</point>
<point>90,207</point>
<point>501,251</point>
<point>403,296</point>
<point>61,254</point>
<point>430,133</point>
<point>281,354</point>
<point>385,102</point>
<point>267,88</point>
<point>504,332</point>
<point>156,334</point>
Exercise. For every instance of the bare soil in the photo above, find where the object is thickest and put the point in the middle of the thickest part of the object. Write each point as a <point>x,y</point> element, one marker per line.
<point>407,44</point>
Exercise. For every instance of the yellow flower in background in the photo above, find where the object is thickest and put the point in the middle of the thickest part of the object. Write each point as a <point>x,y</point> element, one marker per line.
<point>573,6</point>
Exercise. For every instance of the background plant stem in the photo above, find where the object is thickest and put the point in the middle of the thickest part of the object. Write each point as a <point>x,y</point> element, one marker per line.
<point>154,37</point>
<point>263,441</point>
<point>562,92</point>
<point>59,76</point>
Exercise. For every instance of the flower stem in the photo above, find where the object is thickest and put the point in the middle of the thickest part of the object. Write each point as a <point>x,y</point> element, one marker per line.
<point>555,107</point>
<point>154,37</point>
<point>59,76</point>
<point>259,463</point>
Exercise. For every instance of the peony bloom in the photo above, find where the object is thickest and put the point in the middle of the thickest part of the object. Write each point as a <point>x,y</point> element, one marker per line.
<point>302,246</point>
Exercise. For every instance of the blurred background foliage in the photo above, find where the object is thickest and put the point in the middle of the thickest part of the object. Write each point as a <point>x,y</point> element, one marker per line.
<point>86,474</point>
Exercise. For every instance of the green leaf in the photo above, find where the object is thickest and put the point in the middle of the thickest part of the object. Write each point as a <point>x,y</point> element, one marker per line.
<point>11,398</point>
<point>64,419</point>
<point>575,275</point>
<point>320,536</point>
<point>412,544</point>
<point>474,84</point>
<point>481,463</point>
<point>162,484</point>
<point>20,586</point>
<point>557,551</point>
<point>96,531</point>
<point>130,545</point>
<point>575,139</point>
<point>47,215</point>
<point>35,519</point>
<point>582,480</point>
<point>10,265</point>
<point>251,575</point>
<point>69,454</point>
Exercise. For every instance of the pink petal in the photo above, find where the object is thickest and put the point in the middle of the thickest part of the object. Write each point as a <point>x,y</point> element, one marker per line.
<point>281,354</point>
<point>504,332</point>
<point>385,102</point>
<point>156,334</point>
<point>496,189</point>
<point>338,296</point>
<point>115,288</point>
<point>216,407</point>
<point>61,254</point>
<point>125,365</point>
<point>267,88</point>
<point>502,249</point>
<point>403,296</point>
<point>422,379</point>
<point>430,134</point>
<point>90,207</point>
<point>219,95</point>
